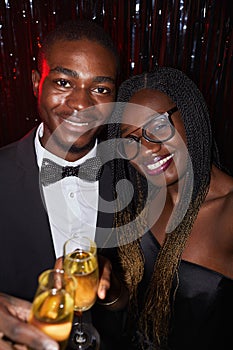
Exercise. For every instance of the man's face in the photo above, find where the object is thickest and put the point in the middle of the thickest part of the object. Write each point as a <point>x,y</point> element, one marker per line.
<point>74,91</point>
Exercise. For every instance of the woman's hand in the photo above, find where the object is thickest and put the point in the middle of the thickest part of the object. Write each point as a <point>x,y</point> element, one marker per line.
<point>15,332</point>
<point>105,270</point>
<point>111,291</point>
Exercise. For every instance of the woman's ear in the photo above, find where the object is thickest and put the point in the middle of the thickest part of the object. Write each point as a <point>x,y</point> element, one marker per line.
<point>35,82</point>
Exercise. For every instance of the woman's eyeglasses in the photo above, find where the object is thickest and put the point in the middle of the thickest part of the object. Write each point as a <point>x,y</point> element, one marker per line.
<point>157,130</point>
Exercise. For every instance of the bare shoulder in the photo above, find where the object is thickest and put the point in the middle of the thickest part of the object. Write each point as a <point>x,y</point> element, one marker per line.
<point>215,220</point>
<point>221,186</point>
<point>220,197</point>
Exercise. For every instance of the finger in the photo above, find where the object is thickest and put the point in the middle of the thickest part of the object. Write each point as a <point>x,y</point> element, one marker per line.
<point>4,345</point>
<point>105,279</point>
<point>8,345</point>
<point>14,306</point>
<point>102,291</point>
<point>20,347</point>
<point>59,263</point>
<point>23,333</point>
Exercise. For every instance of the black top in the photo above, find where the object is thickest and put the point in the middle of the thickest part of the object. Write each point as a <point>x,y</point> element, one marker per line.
<point>202,317</point>
<point>203,305</point>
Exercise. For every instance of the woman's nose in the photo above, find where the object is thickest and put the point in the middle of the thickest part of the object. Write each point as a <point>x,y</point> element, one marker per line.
<point>148,147</point>
<point>79,99</point>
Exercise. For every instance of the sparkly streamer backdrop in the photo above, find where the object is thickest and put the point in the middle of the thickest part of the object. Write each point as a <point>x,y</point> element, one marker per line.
<point>192,35</point>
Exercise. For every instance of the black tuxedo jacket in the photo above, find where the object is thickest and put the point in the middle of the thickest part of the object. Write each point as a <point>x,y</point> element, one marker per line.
<point>26,247</point>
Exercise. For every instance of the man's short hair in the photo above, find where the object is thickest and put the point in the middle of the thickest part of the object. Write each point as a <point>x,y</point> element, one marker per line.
<point>74,30</point>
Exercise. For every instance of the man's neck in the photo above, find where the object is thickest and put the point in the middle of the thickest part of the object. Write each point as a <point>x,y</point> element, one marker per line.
<point>59,156</point>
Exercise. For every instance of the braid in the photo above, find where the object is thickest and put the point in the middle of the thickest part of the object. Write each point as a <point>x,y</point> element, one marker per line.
<point>154,319</point>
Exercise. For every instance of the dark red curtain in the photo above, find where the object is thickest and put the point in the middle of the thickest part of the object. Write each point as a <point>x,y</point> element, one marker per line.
<point>192,35</point>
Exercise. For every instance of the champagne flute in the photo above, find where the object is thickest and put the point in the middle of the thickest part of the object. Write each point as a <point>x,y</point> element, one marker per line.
<point>80,260</point>
<point>53,305</point>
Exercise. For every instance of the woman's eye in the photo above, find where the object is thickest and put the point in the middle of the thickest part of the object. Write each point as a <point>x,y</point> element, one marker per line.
<point>160,126</point>
<point>128,141</point>
<point>63,83</point>
<point>157,125</point>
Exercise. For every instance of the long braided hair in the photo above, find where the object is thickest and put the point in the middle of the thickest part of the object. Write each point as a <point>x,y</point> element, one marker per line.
<point>154,319</point>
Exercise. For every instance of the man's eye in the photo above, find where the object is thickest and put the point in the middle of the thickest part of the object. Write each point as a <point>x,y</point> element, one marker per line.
<point>101,90</point>
<point>63,83</point>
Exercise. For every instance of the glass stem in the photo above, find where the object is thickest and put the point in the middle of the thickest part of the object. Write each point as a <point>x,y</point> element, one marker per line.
<point>80,336</point>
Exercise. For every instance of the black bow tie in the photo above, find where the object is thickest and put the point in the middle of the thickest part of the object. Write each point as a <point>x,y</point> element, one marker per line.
<point>52,172</point>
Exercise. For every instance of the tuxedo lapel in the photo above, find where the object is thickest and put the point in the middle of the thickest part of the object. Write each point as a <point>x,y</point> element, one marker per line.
<point>33,191</point>
<point>26,247</point>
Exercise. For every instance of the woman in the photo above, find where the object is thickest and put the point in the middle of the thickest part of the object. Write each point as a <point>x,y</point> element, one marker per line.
<point>176,235</point>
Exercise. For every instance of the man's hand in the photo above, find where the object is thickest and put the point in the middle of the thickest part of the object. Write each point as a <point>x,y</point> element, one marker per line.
<point>15,332</point>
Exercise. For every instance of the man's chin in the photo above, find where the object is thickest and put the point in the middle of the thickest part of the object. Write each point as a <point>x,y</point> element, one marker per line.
<point>79,148</point>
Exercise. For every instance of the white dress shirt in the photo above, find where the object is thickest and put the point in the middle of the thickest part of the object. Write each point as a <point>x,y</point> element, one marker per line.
<point>72,203</point>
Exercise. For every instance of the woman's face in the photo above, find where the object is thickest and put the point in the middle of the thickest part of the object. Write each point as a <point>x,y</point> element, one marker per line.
<point>163,163</point>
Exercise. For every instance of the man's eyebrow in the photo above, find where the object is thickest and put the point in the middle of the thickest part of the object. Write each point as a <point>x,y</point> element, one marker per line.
<point>103,79</point>
<point>74,74</point>
<point>66,71</point>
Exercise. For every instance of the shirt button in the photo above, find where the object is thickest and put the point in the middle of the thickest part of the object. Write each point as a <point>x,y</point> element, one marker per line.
<point>71,194</point>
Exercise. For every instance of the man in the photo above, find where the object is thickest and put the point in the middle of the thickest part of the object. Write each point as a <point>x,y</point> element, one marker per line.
<point>75,89</point>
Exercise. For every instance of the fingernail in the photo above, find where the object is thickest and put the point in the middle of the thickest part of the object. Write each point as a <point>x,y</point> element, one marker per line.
<point>51,345</point>
<point>102,291</point>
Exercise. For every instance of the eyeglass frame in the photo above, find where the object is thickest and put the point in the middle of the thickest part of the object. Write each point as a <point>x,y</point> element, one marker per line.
<point>168,114</point>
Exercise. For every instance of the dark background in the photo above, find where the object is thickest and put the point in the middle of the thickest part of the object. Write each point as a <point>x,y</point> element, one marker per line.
<point>192,35</point>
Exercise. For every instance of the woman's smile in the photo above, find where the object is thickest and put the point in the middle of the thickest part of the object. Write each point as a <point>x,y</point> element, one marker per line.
<point>158,165</point>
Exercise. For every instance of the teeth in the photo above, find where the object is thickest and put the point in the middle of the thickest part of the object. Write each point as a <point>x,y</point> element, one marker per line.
<point>75,123</point>
<point>160,163</point>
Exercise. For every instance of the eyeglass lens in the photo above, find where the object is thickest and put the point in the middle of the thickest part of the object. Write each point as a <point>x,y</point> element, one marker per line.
<point>158,130</point>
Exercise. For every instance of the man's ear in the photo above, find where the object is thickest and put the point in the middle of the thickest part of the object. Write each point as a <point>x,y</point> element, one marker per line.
<point>35,82</point>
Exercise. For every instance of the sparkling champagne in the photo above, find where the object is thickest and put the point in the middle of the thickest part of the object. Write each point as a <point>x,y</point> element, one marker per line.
<point>84,267</point>
<point>52,313</point>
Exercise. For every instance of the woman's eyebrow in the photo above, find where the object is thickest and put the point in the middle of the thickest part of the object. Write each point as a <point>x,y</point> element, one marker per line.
<point>127,129</point>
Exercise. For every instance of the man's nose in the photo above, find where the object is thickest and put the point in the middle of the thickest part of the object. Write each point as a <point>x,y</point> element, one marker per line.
<point>79,99</point>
